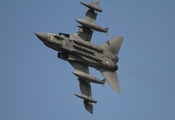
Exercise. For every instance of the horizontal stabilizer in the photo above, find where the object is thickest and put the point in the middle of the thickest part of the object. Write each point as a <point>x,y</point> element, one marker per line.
<point>85,97</point>
<point>113,45</point>
<point>112,79</point>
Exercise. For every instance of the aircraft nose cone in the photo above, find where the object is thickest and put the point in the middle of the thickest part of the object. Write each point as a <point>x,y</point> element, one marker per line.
<point>42,36</point>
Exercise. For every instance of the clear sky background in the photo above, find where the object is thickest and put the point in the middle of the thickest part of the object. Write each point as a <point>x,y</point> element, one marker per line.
<point>36,85</point>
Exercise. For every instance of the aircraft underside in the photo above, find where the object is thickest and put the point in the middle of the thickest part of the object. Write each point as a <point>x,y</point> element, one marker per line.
<point>81,53</point>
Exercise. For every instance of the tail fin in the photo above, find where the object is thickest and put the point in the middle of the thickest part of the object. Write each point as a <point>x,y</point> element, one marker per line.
<point>106,30</point>
<point>112,79</point>
<point>113,45</point>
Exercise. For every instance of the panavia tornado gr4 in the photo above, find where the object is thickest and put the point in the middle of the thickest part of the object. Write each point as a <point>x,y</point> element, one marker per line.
<point>81,53</point>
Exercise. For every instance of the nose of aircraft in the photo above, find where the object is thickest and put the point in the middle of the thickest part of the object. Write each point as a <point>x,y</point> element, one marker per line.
<point>42,36</point>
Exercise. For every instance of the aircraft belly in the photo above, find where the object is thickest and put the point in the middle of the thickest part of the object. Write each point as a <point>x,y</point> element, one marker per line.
<point>78,50</point>
<point>95,62</point>
<point>90,58</point>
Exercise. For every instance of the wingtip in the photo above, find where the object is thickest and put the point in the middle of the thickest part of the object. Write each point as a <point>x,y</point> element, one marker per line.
<point>88,106</point>
<point>91,112</point>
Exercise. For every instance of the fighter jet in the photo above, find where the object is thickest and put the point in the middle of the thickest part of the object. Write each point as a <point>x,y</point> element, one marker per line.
<point>81,53</point>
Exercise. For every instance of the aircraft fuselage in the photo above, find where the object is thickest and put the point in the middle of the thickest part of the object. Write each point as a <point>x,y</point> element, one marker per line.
<point>80,51</point>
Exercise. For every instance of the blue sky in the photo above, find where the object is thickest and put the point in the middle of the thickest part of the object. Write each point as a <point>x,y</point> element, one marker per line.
<point>36,85</point>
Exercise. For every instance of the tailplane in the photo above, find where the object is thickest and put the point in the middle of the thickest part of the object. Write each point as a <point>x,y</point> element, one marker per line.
<point>112,79</point>
<point>113,45</point>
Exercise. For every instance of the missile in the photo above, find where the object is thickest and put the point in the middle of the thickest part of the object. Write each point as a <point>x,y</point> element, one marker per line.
<point>92,26</point>
<point>92,7</point>
<point>85,97</point>
<point>88,77</point>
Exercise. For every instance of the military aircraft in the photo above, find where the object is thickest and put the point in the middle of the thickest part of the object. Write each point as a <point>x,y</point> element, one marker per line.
<point>81,53</point>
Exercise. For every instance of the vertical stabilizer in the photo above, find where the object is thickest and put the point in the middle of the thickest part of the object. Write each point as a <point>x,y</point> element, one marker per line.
<point>113,45</point>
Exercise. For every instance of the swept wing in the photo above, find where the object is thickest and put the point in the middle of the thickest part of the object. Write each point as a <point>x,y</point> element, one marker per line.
<point>90,16</point>
<point>85,87</point>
